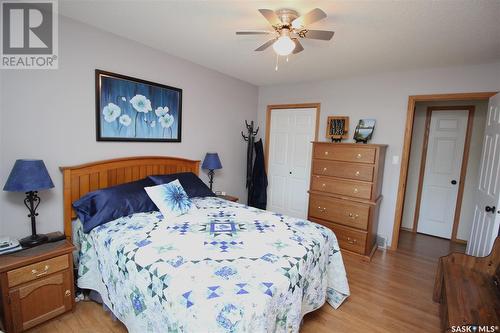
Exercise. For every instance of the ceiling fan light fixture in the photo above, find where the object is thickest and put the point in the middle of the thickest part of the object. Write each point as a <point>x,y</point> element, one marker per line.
<point>284,45</point>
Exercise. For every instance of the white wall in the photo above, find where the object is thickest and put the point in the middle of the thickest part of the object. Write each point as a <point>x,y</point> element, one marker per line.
<point>50,114</point>
<point>384,97</point>
<point>471,180</point>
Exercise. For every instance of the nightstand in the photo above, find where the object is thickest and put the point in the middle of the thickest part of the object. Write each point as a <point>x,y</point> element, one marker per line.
<point>36,285</point>
<point>228,197</point>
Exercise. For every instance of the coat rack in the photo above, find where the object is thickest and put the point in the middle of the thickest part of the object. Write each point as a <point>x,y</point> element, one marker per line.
<point>250,138</point>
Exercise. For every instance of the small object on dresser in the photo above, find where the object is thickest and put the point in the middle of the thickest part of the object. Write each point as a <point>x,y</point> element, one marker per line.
<point>337,128</point>
<point>228,197</point>
<point>30,176</point>
<point>36,284</point>
<point>364,130</point>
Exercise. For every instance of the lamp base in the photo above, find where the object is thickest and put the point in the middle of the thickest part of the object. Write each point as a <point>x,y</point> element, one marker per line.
<point>33,240</point>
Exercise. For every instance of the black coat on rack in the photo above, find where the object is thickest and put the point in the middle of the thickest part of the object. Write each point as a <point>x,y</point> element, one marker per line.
<point>250,138</point>
<point>257,196</point>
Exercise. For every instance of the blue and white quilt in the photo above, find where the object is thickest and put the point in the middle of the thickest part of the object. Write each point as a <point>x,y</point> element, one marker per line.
<point>226,267</point>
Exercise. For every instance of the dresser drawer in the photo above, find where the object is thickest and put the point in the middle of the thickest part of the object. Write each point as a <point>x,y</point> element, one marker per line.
<point>340,211</point>
<point>351,240</point>
<point>343,153</point>
<point>37,270</point>
<point>342,187</point>
<point>356,171</point>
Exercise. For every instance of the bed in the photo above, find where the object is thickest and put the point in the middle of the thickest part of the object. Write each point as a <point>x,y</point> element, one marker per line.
<point>226,267</point>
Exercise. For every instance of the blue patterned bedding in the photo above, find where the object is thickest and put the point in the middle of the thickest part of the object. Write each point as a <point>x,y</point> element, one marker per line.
<point>225,268</point>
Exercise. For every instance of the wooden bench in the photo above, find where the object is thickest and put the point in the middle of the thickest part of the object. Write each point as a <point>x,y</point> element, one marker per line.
<point>468,290</point>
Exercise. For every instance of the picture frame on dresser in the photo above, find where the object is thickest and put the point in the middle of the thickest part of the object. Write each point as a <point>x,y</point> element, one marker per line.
<point>132,109</point>
<point>345,193</point>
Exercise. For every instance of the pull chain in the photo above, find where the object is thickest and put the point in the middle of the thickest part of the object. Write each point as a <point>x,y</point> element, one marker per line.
<point>277,62</point>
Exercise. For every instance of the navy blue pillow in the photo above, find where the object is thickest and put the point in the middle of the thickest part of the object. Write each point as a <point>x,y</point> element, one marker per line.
<point>102,206</point>
<point>191,183</point>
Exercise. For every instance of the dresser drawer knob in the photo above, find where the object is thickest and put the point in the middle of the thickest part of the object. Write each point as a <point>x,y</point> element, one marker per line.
<point>324,169</point>
<point>353,216</point>
<point>358,156</point>
<point>322,209</point>
<point>40,273</point>
<point>326,152</point>
<point>67,293</point>
<point>357,173</point>
<point>323,185</point>
<point>355,190</point>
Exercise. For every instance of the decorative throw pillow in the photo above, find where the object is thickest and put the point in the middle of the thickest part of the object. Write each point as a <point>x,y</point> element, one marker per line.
<point>171,199</point>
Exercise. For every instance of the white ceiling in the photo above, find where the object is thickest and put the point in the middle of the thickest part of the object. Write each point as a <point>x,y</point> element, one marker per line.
<point>370,36</point>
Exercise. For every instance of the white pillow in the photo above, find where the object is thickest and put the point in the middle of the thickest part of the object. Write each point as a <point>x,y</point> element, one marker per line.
<point>171,199</point>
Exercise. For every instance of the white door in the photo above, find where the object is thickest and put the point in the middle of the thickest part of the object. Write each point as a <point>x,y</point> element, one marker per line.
<point>487,205</point>
<point>289,163</point>
<point>443,164</point>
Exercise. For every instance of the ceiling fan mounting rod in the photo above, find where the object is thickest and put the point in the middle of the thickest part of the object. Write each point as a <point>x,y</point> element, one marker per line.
<point>287,16</point>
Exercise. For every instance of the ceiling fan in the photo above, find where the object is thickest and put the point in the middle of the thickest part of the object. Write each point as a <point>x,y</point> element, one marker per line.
<point>289,27</point>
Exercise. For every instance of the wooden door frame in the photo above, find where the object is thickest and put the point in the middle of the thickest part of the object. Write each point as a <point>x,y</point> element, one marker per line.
<point>463,167</point>
<point>277,107</point>
<point>405,156</point>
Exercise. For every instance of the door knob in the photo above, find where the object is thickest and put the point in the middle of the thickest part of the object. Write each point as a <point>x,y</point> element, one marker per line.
<point>453,182</point>
<point>489,209</point>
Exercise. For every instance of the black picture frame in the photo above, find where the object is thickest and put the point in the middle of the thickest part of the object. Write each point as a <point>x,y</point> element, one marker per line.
<point>175,108</point>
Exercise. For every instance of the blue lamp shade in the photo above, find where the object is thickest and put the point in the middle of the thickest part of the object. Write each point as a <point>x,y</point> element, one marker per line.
<point>211,162</point>
<point>28,175</point>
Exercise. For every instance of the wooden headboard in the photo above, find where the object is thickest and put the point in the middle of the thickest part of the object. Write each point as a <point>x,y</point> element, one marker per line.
<point>80,179</point>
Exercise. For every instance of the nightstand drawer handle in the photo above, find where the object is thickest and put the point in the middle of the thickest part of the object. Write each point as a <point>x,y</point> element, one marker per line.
<point>67,293</point>
<point>351,240</point>
<point>38,273</point>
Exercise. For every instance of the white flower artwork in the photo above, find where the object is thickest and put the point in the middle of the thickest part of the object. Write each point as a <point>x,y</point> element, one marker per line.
<point>130,109</point>
<point>111,112</point>
<point>141,103</point>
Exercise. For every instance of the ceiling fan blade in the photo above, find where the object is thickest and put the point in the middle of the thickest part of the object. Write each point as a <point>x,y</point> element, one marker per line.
<point>254,32</point>
<point>271,16</point>
<point>298,47</point>
<point>265,45</point>
<point>319,34</point>
<point>313,16</point>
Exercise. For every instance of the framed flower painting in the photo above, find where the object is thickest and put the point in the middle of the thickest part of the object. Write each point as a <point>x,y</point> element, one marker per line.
<point>130,109</point>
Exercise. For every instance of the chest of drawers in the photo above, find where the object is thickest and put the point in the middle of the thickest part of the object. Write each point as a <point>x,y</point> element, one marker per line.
<point>346,182</point>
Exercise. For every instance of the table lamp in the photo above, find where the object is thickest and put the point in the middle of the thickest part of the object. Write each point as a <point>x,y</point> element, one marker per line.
<point>30,176</point>
<point>211,162</point>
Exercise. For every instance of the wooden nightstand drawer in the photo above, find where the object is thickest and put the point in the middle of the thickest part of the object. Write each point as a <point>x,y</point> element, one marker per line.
<point>37,270</point>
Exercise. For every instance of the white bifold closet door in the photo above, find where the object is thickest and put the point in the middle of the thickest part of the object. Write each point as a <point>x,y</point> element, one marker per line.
<point>289,161</point>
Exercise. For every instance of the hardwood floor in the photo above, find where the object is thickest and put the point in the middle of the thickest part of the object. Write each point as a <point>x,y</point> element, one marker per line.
<point>399,298</point>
